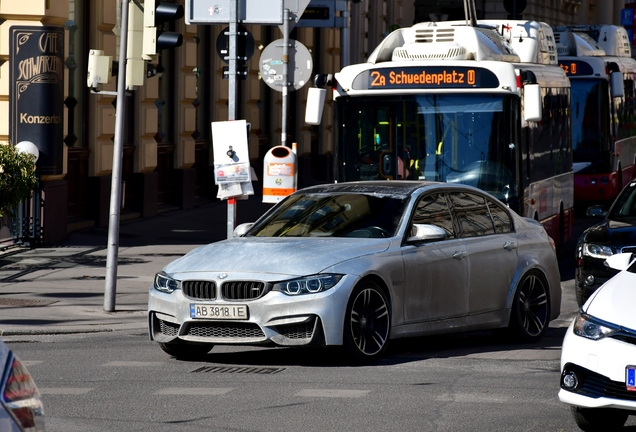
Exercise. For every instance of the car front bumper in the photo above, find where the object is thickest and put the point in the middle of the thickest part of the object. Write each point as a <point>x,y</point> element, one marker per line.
<point>275,318</point>
<point>600,370</point>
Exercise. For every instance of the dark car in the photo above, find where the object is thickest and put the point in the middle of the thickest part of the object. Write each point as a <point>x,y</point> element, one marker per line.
<point>615,234</point>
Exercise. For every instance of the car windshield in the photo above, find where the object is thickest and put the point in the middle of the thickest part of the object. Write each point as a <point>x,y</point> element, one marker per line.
<point>625,205</point>
<point>332,215</point>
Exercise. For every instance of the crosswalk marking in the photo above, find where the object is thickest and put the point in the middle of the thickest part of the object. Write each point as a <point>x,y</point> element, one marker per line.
<point>328,393</point>
<point>196,391</point>
<point>132,364</point>
<point>64,390</point>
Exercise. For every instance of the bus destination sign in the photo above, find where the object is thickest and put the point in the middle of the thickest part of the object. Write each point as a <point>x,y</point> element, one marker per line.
<point>576,68</point>
<point>426,77</point>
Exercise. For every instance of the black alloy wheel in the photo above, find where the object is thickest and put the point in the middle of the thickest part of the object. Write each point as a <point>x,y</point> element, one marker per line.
<point>530,313</point>
<point>367,323</point>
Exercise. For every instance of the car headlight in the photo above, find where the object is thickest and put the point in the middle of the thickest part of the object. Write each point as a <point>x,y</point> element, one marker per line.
<point>592,328</point>
<point>308,285</point>
<point>597,251</point>
<point>165,283</point>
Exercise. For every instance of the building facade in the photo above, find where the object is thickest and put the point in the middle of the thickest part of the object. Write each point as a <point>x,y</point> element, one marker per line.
<point>167,144</point>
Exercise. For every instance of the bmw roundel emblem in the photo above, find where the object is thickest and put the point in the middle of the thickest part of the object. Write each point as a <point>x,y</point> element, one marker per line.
<point>222,275</point>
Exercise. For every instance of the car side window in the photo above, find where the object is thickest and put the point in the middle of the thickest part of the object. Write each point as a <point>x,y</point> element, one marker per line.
<point>500,217</point>
<point>433,209</point>
<point>471,213</point>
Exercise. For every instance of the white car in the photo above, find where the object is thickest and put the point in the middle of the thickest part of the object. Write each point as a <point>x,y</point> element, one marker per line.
<point>598,359</point>
<point>357,264</point>
<point>20,404</point>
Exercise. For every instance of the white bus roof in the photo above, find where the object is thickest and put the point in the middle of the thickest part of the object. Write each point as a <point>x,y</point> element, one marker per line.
<point>612,39</point>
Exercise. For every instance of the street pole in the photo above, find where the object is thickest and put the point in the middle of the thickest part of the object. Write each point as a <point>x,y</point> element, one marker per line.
<point>115,189</point>
<point>344,59</point>
<point>283,135</point>
<point>231,109</point>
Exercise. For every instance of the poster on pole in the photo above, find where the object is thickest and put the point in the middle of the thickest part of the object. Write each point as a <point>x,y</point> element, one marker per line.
<point>232,171</point>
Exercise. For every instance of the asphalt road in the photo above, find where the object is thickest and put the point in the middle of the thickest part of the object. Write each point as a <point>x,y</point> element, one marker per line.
<point>119,380</point>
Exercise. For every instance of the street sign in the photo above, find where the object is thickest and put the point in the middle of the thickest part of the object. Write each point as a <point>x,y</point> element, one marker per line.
<point>318,14</point>
<point>298,68</point>
<point>244,44</point>
<point>295,8</point>
<point>267,12</point>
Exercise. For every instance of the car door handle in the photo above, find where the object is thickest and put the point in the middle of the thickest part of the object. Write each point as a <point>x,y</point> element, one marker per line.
<point>510,246</point>
<point>460,254</point>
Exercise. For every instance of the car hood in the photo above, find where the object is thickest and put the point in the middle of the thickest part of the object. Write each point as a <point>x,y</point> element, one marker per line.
<point>614,232</point>
<point>614,301</point>
<point>290,256</point>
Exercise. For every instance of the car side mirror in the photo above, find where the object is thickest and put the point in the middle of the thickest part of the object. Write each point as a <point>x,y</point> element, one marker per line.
<point>596,211</point>
<point>426,233</point>
<point>240,230</point>
<point>619,261</point>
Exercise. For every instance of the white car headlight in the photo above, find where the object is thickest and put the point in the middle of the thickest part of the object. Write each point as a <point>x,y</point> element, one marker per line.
<point>308,285</point>
<point>592,328</point>
<point>165,283</point>
<point>597,251</point>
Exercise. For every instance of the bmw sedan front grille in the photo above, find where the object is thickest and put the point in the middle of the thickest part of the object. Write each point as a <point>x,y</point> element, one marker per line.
<point>628,249</point>
<point>242,290</point>
<point>225,330</point>
<point>204,290</point>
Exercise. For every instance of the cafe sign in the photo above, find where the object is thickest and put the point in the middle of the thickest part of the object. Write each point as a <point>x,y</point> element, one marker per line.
<point>36,94</point>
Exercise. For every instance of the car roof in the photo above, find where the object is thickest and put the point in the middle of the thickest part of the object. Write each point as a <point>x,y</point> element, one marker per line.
<point>396,188</point>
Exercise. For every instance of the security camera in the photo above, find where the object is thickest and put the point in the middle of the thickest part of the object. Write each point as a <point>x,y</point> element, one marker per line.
<point>100,69</point>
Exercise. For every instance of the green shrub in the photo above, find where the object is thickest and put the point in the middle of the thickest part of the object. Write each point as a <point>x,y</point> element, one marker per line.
<point>17,177</point>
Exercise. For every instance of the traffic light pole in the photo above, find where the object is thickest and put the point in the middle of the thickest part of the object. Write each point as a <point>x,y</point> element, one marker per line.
<point>115,190</point>
<point>231,109</point>
<point>283,135</point>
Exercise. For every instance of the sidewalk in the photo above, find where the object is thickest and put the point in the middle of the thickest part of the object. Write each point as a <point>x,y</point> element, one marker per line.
<point>60,289</point>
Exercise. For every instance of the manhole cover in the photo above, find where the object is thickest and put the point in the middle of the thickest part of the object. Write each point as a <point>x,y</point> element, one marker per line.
<point>14,302</point>
<point>239,369</point>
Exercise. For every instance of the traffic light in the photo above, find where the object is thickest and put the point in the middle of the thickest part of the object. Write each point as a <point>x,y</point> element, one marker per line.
<point>157,39</point>
<point>135,65</point>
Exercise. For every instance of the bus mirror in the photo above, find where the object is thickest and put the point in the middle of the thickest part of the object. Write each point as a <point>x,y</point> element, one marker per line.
<point>616,84</point>
<point>315,104</point>
<point>532,102</point>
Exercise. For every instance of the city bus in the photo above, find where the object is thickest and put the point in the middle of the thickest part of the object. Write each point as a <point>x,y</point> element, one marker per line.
<point>485,105</point>
<point>597,59</point>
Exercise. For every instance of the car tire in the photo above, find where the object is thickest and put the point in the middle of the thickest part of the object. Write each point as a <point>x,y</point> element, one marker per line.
<point>530,313</point>
<point>367,324</point>
<point>599,419</point>
<point>185,351</point>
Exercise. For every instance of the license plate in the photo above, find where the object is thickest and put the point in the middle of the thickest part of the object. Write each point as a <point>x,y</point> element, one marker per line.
<point>220,312</point>
<point>630,378</point>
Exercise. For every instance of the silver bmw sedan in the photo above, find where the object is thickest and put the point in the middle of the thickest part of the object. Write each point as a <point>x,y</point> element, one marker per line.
<point>358,264</point>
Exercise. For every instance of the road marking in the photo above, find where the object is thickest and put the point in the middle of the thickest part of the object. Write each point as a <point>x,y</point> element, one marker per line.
<point>327,393</point>
<point>181,391</point>
<point>132,364</point>
<point>64,390</point>
<point>29,363</point>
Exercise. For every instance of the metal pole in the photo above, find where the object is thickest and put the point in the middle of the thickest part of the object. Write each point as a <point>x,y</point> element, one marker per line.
<point>231,109</point>
<point>283,135</point>
<point>115,191</point>
<point>345,36</point>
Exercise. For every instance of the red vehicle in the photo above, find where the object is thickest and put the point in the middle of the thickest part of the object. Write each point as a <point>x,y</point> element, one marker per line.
<point>597,59</point>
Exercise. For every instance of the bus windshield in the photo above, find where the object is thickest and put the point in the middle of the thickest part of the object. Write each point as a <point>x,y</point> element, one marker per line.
<point>590,118</point>
<point>438,137</point>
